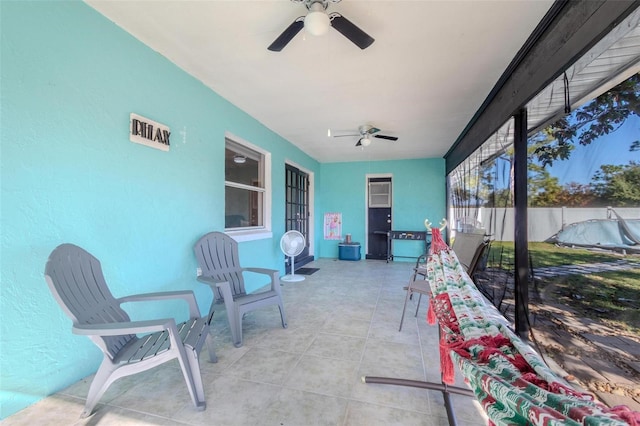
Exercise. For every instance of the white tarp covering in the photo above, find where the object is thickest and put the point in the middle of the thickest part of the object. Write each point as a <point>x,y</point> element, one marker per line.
<point>603,233</point>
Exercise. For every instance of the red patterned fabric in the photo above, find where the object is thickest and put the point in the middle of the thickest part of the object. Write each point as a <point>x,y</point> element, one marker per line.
<point>510,380</point>
<point>437,243</point>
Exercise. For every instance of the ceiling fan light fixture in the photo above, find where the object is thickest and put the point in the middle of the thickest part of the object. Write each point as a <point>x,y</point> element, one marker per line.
<point>317,21</point>
<point>365,141</point>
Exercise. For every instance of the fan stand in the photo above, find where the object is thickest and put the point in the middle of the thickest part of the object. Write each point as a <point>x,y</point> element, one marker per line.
<point>292,244</point>
<point>292,278</point>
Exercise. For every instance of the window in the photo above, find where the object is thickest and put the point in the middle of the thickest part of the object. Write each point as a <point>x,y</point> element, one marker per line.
<point>379,194</point>
<point>247,191</point>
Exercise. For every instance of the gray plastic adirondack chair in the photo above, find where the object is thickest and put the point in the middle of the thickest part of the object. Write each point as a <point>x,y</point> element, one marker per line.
<point>468,247</point>
<point>218,259</point>
<point>78,285</point>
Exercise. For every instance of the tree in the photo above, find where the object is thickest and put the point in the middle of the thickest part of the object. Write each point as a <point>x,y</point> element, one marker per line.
<point>618,184</point>
<point>576,194</point>
<point>543,189</point>
<point>601,116</point>
<point>495,189</point>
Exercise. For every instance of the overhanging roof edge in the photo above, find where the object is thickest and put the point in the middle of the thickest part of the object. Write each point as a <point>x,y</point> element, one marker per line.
<point>565,33</point>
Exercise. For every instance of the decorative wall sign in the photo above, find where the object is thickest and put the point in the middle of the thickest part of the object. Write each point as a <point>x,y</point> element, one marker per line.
<point>333,226</point>
<point>148,132</point>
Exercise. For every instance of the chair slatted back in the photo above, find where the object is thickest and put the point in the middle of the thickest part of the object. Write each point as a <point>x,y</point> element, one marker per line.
<point>217,255</point>
<point>466,246</point>
<point>75,278</point>
<point>477,258</point>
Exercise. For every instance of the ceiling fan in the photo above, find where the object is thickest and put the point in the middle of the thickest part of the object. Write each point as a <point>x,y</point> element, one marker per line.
<point>364,132</point>
<point>317,22</point>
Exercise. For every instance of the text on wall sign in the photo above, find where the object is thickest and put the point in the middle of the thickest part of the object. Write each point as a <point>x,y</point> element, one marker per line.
<point>148,132</point>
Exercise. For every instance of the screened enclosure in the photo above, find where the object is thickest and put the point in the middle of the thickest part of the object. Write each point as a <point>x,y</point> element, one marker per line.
<point>581,286</point>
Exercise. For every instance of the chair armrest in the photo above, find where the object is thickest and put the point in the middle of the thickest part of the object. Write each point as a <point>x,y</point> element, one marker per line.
<point>186,295</point>
<point>209,280</point>
<point>274,273</point>
<point>213,283</point>
<point>262,271</point>
<point>122,328</point>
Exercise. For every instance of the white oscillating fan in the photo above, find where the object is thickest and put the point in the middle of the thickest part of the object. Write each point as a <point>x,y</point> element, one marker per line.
<point>292,243</point>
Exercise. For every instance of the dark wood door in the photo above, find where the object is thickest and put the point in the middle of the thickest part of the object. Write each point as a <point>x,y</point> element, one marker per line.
<point>297,210</point>
<point>379,217</point>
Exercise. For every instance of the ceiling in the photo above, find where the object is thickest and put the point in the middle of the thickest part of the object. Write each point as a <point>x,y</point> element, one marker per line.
<point>430,68</point>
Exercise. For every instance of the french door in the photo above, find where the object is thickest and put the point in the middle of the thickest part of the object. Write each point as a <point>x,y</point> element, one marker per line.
<point>297,209</point>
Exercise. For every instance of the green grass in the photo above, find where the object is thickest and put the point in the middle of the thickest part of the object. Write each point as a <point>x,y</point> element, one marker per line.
<point>545,254</point>
<point>610,297</point>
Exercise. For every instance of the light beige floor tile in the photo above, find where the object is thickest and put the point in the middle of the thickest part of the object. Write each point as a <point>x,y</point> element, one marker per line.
<point>347,327</point>
<point>383,358</point>
<point>56,410</point>
<point>365,414</point>
<point>362,292</point>
<point>263,365</point>
<point>401,397</point>
<point>389,311</point>
<point>466,409</point>
<point>80,389</point>
<point>342,323</point>
<point>162,393</point>
<point>293,339</point>
<point>433,368</point>
<point>256,323</point>
<point>305,315</point>
<point>325,376</point>
<point>337,346</point>
<point>231,401</point>
<point>293,407</point>
<point>227,354</point>
<point>109,415</point>
<point>388,330</point>
<point>355,311</point>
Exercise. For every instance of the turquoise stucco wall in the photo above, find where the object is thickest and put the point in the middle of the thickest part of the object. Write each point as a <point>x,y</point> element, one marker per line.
<point>69,80</point>
<point>418,192</point>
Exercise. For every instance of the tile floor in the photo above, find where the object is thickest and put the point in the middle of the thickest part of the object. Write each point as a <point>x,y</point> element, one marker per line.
<point>343,324</point>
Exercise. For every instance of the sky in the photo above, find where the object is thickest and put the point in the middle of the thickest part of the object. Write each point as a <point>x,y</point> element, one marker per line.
<point>613,148</point>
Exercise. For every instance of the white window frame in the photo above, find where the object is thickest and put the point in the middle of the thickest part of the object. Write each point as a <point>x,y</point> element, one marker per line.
<point>254,232</point>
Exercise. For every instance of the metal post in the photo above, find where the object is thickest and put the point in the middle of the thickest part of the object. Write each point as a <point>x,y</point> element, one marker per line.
<point>520,232</point>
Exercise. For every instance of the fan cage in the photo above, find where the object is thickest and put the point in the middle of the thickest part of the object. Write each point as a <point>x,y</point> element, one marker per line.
<point>287,240</point>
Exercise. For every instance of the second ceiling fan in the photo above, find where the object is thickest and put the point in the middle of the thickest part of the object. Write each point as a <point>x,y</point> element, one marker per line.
<point>317,22</point>
<point>365,131</point>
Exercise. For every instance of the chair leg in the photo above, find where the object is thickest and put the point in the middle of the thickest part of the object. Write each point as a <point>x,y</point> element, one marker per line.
<point>211,348</point>
<point>194,366</point>
<point>282,314</point>
<point>233,315</point>
<point>404,308</point>
<point>189,366</point>
<point>418,307</point>
<point>99,386</point>
<point>209,339</point>
<point>236,316</point>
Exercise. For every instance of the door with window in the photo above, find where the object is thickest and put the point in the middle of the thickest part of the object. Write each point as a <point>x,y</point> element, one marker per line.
<point>297,209</point>
<point>378,217</point>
